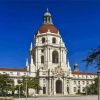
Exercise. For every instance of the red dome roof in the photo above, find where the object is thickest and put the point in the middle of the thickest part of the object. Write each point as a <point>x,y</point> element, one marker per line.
<point>45,27</point>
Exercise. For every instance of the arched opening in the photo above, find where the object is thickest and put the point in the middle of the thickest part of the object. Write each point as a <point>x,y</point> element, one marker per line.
<point>68,90</point>
<point>54,57</point>
<point>42,59</point>
<point>43,40</point>
<point>53,40</point>
<point>44,90</point>
<point>58,86</point>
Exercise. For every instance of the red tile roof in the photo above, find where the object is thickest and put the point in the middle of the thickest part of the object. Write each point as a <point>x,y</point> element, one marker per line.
<point>45,27</point>
<point>83,73</point>
<point>13,69</point>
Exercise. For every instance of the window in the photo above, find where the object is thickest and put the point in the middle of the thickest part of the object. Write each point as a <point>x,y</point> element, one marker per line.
<point>67,82</point>
<point>54,57</point>
<point>68,90</point>
<point>44,19</point>
<point>83,89</point>
<point>74,89</point>
<point>53,40</point>
<point>78,82</point>
<point>74,82</point>
<point>42,50</point>
<point>42,59</point>
<point>43,40</point>
<point>62,55</point>
<point>87,82</point>
<point>79,89</point>
<point>83,82</point>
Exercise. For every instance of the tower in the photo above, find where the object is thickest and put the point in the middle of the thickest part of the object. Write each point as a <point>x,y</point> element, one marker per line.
<point>76,68</point>
<point>48,57</point>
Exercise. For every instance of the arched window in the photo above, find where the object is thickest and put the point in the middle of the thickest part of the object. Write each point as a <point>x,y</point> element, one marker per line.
<point>42,59</point>
<point>43,40</point>
<point>54,57</point>
<point>53,40</point>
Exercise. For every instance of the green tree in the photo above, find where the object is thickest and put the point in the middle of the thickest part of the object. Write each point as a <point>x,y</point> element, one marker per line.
<point>93,88</point>
<point>32,83</point>
<point>94,58</point>
<point>6,84</point>
<point>19,87</point>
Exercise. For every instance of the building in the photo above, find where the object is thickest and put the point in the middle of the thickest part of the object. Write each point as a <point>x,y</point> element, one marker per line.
<point>49,61</point>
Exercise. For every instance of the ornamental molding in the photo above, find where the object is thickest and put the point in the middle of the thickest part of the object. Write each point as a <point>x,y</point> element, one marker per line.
<point>59,71</point>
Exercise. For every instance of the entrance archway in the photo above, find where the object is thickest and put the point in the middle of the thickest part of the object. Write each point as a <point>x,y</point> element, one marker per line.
<point>58,86</point>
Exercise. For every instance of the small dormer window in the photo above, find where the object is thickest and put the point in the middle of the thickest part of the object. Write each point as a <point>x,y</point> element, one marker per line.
<point>53,40</point>
<point>43,40</point>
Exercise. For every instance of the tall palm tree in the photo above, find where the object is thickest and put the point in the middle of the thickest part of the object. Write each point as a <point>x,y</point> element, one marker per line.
<point>94,58</point>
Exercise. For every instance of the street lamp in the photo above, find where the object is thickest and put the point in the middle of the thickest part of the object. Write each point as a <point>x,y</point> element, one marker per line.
<point>19,90</point>
<point>26,83</point>
<point>98,73</point>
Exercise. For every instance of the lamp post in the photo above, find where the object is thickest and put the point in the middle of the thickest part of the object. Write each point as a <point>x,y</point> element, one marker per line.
<point>26,84</point>
<point>98,73</point>
<point>26,89</point>
<point>19,90</point>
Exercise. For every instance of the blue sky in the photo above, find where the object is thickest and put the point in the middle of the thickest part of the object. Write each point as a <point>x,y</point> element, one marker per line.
<point>78,22</point>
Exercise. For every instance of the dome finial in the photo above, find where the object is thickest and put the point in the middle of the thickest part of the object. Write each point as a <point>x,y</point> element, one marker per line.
<point>47,17</point>
<point>47,10</point>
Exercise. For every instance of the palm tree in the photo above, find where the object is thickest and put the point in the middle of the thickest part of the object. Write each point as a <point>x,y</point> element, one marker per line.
<point>94,58</point>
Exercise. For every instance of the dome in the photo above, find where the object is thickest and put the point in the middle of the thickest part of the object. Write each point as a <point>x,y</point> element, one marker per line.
<point>76,64</point>
<point>47,24</point>
<point>45,27</point>
<point>47,14</point>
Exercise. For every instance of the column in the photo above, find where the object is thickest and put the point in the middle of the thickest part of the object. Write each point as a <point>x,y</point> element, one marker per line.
<point>65,87</point>
<point>70,86</point>
<point>50,85</point>
<point>54,87</point>
<point>41,85</point>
